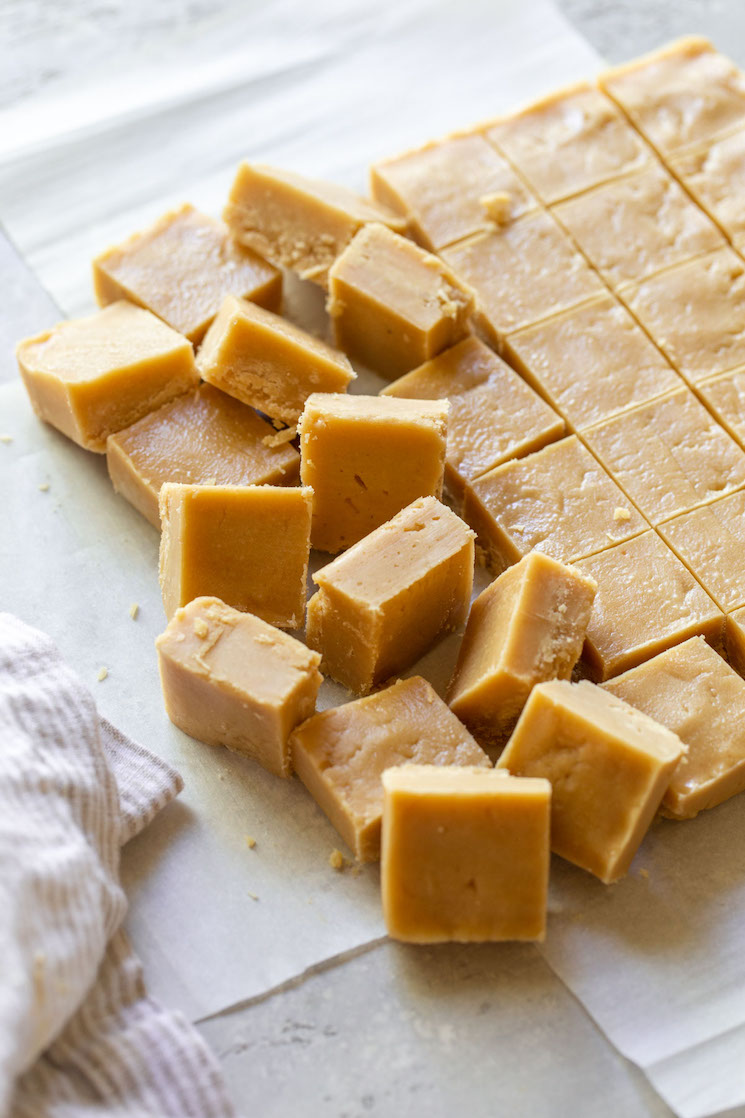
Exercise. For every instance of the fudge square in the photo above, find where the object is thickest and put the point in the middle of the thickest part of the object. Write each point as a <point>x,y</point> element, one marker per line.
<point>714,174</point>
<point>527,627</point>
<point>382,604</point>
<point>90,377</point>
<point>367,457</point>
<point>340,754</point>
<point>182,268</point>
<point>230,679</point>
<point>724,396</point>
<point>246,544</point>
<point>711,542</point>
<point>691,690</point>
<point>609,766</point>
<point>465,854</point>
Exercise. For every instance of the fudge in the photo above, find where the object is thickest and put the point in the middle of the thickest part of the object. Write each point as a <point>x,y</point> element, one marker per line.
<point>724,396</point>
<point>714,175</point>
<point>734,639</point>
<point>711,542</point>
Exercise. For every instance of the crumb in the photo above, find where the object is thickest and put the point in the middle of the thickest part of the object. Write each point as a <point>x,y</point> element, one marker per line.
<point>201,628</point>
<point>134,610</point>
<point>102,674</point>
<point>210,481</point>
<point>278,424</point>
<point>644,873</point>
<point>44,488</point>
<point>498,207</point>
<point>337,861</point>
<point>250,842</point>
<point>621,514</point>
<point>252,895</point>
<point>281,437</point>
<point>6,438</point>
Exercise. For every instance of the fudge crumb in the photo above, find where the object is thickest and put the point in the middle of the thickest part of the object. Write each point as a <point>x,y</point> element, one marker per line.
<point>253,896</point>
<point>134,610</point>
<point>281,437</point>
<point>644,873</point>
<point>250,842</point>
<point>102,674</point>
<point>497,207</point>
<point>278,424</point>
<point>210,481</point>
<point>201,628</point>
<point>44,488</point>
<point>6,438</point>
<point>621,514</point>
<point>337,861</point>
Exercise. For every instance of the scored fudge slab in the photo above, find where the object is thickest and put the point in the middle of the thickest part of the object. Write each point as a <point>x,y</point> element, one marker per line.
<point>494,415</point>
<point>366,457</point>
<point>447,190</point>
<point>527,627</point>
<point>680,95</point>
<point>608,764</point>
<point>569,141</point>
<point>465,854</point>
<point>246,544</point>
<point>646,602</point>
<point>392,304</point>
<point>181,269</point>
<point>715,176</point>
<point>90,377</point>
<point>201,438</point>
<point>559,501</point>
<point>591,362</point>
<point>734,639</point>
<point>711,543</point>
<point>230,679</point>
<point>341,754</point>
<point>691,690</point>
<point>669,455</point>
<point>296,222</point>
<point>724,396</point>
<point>268,362</point>
<point>382,604</point>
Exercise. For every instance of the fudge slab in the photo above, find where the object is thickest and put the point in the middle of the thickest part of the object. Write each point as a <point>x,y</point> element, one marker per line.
<point>714,174</point>
<point>724,396</point>
<point>711,542</point>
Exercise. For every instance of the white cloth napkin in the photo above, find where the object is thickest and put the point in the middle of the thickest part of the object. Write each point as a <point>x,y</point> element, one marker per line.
<point>78,1033</point>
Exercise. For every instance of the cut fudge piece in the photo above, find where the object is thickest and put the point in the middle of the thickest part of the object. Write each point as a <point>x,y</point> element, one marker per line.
<point>446,188</point>
<point>714,175</point>
<point>734,639</point>
<point>366,457</point>
<point>646,602</point>
<point>692,691</point>
<point>465,854</point>
<point>341,754</point>
<point>392,304</point>
<point>230,679</point>
<point>268,362</point>
<point>711,543</point>
<point>494,415</point>
<point>181,269</point>
<point>527,627</point>
<point>669,455</point>
<point>248,545</point>
<point>384,602</point>
<point>201,438</point>
<point>90,377</point>
<point>724,396</point>
<point>591,362</point>
<point>559,501</point>
<point>608,765</point>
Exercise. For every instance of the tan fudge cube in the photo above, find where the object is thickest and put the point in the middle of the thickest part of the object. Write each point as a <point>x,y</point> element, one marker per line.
<point>465,855</point>
<point>181,269</point>
<point>341,754</point>
<point>522,273</point>
<point>366,458</point>
<point>711,542</point>
<point>724,396</point>
<point>559,501</point>
<point>494,415</point>
<point>296,222</point>
<point>392,304</point>
<point>734,639</point>
<point>591,362</point>
<point>646,602</point>
<point>90,377</point>
<point>608,765</point>
<point>714,175</point>
<point>528,626</point>
<point>268,362</point>
<point>230,679</point>
<point>201,438</point>
<point>248,545</point>
<point>447,189</point>
<point>692,691</point>
<point>680,95</point>
<point>669,455</point>
<point>569,141</point>
<point>383,603</point>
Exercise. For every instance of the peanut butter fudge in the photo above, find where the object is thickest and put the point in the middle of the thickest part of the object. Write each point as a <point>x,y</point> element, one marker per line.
<point>527,627</point>
<point>494,415</point>
<point>608,765</point>
<point>366,457</point>
<point>711,543</point>
<point>465,854</point>
<point>734,638</point>
<point>341,754</point>
<point>559,501</point>
<point>668,455</point>
<point>182,268</point>
<point>383,603</point>
<point>591,362</point>
<point>569,141</point>
<point>444,189</point>
<point>692,691</point>
<point>248,545</point>
<point>230,679</point>
<point>724,396</point>
<point>714,175</point>
<point>646,602</point>
<point>90,377</point>
<point>392,304</point>
<point>268,362</point>
<point>201,438</point>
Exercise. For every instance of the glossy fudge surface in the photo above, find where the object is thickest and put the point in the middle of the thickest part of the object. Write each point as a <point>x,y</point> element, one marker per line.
<point>711,542</point>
